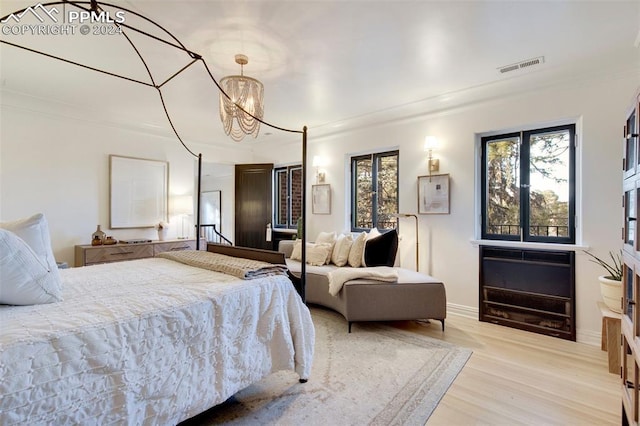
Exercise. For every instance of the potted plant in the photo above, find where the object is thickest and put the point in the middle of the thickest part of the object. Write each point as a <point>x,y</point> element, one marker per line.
<point>611,282</point>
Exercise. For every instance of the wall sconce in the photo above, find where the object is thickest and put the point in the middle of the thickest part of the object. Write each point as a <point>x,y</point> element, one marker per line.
<point>430,144</point>
<point>318,162</point>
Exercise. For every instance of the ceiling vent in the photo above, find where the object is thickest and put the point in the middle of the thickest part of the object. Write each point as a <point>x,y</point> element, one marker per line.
<point>522,64</point>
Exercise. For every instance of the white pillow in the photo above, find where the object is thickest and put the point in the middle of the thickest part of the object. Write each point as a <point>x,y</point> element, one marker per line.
<point>296,253</point>
<point>327,238</point>
<point>340,254</point>
<point>34,231</point>
<point>25,278</point>
<point>317,253</point>
<point>357,250</point>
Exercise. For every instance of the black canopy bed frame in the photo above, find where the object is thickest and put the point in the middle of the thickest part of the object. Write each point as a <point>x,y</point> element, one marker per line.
<point>172,41</point>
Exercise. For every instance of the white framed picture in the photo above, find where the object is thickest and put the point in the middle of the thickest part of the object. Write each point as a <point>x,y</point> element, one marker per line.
<point>433,194</point>
<point>139,191</point>
<point>321,199</point>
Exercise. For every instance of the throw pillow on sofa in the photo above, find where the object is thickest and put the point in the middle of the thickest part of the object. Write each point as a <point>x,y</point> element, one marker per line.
<point>381,250</point>
<point>317,254</point>
<point>296,253</point>
<point>357,250</point>
<point>327,238</point>
<point>373,233</point>
<point>340,254</point>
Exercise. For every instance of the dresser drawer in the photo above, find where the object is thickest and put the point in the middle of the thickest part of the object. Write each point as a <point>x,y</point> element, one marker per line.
<point>174,246</point>
<point>117,253</point>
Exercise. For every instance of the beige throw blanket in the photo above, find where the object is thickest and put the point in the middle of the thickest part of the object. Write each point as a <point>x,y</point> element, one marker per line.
<point>339,276</point>
<point>245,269</point>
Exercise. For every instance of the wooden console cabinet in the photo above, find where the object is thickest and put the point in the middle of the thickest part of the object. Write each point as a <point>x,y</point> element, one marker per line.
<point>90,255</point>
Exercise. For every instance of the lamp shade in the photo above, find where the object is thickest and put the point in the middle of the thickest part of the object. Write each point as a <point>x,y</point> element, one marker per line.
<point>182,204</point>
<point>318,161</point>
<point>431,143</point>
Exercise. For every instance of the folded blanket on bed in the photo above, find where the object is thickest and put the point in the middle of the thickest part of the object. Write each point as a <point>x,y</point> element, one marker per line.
<point>245,269</point>
<point>339,276</point>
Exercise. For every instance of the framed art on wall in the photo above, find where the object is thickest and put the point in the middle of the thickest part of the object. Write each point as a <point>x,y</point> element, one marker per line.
<point>321,199</point>
<point>139,191</point>
<point>433,194</point>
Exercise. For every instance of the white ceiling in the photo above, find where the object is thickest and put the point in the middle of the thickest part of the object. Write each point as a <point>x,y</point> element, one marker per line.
<point>327,64</point>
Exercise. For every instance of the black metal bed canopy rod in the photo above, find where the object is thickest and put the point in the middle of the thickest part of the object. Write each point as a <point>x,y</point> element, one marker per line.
<point>97,7</point>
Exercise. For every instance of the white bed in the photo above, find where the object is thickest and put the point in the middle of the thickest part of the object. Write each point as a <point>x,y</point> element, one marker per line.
<point>150,341</point>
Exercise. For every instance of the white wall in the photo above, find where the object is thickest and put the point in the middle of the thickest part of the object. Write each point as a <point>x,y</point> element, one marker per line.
<point>57,162</point>
<point>445,248</point>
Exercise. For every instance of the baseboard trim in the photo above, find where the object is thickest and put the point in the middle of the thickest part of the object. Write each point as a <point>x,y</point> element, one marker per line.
<point>463,310</point>
<point>588,337</point>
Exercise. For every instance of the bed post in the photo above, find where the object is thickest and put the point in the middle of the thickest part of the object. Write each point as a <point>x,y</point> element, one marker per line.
<point>198,202</point>
<point>303,266</point>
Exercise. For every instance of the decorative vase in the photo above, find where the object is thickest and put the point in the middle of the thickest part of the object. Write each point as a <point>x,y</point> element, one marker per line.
<point>98,236</point>
<point>162,234</point>
<point>109,241</point>
<point>611,293</point>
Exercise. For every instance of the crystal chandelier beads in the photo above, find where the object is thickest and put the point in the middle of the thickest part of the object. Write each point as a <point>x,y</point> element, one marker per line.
<point>245,93</point>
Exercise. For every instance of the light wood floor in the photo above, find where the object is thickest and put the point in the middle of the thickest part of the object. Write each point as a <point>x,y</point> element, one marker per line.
<point>515,377</point>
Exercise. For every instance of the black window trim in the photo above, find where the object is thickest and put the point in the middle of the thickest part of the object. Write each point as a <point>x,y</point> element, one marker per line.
<point>525,236</point>
<point>374,179</point>
<point>287,170</point>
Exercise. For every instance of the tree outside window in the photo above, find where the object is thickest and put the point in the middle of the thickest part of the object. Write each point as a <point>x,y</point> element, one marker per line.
<point>528,185</point>
<point>374,191</point>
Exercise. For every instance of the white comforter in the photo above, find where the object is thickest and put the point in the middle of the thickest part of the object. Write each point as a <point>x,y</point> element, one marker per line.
<point>149,341</point>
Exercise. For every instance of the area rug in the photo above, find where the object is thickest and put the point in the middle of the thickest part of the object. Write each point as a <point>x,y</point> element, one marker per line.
<point>375,375</point>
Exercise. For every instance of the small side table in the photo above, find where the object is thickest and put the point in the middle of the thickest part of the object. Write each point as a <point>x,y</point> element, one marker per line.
<point>611,336</point>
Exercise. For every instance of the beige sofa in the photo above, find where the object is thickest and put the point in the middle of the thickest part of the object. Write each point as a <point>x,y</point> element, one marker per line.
<point>413,296</point>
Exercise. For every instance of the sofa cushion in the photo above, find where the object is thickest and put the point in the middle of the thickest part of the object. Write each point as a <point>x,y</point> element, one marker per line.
<point>357,250</point>
<point>317,254</point>
<point>381,250</point>
<point>340,254</point>
<point>373,233</point>
<point>327,238</point>
<point>296,253</point>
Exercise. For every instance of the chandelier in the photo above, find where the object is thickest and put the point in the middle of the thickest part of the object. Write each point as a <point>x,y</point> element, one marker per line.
<point>245,93</point>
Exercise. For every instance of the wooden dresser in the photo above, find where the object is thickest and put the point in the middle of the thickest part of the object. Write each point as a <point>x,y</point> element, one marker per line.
<point>91,255</point>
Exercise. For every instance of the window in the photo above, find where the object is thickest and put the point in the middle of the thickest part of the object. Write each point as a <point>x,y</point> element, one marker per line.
<point>528,185</point>
<point>374,191</point>
<point>288,196</point>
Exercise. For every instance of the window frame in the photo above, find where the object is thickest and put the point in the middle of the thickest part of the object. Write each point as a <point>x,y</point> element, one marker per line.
<point>524,180</point>
<point>287,170</point>
<point>374,156</point>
